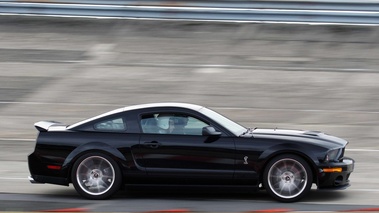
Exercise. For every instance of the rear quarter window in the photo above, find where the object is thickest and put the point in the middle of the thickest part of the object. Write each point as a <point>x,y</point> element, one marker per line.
<point>115,124</point>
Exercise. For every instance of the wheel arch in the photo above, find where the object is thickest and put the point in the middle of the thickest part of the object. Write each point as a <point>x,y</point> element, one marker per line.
<point>98,147</point>
<point>268,155</point>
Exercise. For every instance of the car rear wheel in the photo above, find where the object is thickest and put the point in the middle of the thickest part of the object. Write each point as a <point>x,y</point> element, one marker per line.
<point>287,178</point>
<point>96,176</point>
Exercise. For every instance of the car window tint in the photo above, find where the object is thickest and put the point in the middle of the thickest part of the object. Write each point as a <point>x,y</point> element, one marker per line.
<point>117,124</point>
<point>149,124</point>
<point>171,123</point>
<point>194,126</point>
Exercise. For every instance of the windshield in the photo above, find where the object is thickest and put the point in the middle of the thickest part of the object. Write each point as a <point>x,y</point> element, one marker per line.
<point>232,126</point>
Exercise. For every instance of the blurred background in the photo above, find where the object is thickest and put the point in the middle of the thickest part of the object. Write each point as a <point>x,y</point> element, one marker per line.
<point>262,75</point>
<point>300,76</point>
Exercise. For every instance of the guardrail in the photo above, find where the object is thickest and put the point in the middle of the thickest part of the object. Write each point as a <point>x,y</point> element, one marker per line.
<point>319,11</point>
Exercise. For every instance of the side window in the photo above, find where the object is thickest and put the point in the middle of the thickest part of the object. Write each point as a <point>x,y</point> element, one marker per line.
<point>195,126</point>
<point>172,123</point>
<point>149,124</point>
<point>116,124</point>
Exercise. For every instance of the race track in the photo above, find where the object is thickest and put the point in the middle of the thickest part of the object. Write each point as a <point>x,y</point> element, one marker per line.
<point>287,76</point>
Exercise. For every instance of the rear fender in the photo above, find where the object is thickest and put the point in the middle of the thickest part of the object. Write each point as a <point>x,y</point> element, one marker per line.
<point>91,147</point>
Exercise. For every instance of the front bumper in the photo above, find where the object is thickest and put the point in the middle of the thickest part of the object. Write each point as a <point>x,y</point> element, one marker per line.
<point>335,175</point>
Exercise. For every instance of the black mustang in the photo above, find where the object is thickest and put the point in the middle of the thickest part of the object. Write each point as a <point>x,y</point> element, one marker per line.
<point>185,145</point>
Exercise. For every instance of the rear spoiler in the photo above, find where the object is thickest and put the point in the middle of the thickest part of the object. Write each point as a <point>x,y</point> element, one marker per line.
<point>43,126</point>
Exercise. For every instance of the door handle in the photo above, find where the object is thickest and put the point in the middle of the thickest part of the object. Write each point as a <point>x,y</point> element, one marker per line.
<point>152,144</point>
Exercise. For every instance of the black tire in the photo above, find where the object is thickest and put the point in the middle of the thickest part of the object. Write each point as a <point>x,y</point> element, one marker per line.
<point>287,178</point>
<point>96,176</point>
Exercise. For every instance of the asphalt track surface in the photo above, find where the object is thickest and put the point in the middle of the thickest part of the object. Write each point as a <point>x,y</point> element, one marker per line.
<point>287,76</point>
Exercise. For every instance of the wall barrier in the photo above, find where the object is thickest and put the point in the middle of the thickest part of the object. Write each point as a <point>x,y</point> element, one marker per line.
<point>303,11</point>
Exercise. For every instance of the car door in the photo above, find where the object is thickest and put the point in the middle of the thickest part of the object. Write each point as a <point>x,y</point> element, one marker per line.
<point>173,148</point>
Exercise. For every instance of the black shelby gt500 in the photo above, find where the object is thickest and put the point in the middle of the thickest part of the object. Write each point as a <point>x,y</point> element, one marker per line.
<point>185,145</point>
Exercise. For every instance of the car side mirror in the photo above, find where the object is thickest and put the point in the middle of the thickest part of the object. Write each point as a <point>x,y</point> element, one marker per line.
<point>210,131</point>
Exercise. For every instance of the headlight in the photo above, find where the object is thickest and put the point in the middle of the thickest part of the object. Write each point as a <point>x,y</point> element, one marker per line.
<point>332,155</point>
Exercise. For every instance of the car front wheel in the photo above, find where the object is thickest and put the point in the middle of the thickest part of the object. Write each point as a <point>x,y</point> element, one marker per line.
<point>96,176</point>
<point>287,178</point>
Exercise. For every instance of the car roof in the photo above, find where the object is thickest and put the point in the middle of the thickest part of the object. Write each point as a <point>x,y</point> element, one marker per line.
<point>168,104</point>
<point>139,106</point>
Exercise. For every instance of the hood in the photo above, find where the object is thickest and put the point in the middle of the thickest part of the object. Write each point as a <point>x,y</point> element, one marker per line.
<point>314,137</point>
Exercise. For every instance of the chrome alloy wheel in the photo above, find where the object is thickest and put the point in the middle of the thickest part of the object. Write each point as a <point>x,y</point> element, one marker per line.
<point>287,178</point>
<point>95,175</point>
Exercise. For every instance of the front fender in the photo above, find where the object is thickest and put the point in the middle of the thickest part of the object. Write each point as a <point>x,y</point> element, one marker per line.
<point>287,148</point>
